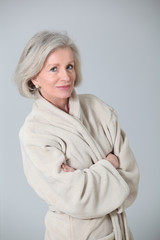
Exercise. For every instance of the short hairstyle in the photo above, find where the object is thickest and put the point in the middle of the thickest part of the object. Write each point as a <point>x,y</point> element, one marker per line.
<point>34,56</point>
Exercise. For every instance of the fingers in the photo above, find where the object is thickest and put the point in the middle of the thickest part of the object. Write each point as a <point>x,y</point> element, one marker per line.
<point>113,159</point>
<point>66,168</point>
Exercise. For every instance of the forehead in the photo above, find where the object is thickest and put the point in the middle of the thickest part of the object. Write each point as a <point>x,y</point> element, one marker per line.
<point>60,55</point>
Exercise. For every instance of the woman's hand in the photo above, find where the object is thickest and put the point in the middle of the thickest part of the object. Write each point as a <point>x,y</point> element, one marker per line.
<point>110,157</point>
<point>66,168</point>
<point>113,160</point>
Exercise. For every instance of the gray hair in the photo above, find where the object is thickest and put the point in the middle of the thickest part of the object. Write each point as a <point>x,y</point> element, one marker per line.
<point>34,55</point>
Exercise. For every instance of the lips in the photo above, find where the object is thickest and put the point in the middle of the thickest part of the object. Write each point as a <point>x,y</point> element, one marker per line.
<point>64,87</point>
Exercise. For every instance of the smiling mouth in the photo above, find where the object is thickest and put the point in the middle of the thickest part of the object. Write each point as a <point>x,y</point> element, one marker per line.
<point>64,87</point>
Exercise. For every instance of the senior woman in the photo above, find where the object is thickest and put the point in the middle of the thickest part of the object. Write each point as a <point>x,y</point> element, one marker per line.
<point>75,155</point>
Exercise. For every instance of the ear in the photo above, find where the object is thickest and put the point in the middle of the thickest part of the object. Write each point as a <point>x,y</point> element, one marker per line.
<point>34,80</point>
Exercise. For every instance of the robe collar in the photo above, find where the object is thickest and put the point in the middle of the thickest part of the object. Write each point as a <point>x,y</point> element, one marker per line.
<point>74,105</point>
<point>72,122</point>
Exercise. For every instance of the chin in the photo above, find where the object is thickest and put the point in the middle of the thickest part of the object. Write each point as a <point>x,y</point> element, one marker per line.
<point>66,94</point>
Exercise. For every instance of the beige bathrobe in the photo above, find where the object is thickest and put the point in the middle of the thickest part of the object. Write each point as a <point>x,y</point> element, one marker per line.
<point>88,204</point>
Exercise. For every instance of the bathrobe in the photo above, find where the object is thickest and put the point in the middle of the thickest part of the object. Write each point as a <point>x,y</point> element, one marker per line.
<point>89,203</point>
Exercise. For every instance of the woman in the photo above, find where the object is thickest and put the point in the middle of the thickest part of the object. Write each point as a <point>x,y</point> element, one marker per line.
<point>75,155</point>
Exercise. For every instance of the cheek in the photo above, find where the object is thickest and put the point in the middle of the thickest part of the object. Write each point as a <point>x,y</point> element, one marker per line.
<point>74,76</point>
<point>47,81</point>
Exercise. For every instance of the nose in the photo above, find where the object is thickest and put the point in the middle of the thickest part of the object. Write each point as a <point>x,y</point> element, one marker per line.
<point>64,75</point>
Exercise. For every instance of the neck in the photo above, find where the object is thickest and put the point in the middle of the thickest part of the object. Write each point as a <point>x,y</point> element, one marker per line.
<point>62,104</point>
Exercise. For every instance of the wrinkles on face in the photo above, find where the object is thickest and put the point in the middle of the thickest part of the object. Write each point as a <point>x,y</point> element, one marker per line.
<point>57,77</point>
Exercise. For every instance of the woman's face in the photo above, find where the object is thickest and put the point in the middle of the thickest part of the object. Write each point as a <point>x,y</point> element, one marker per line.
<point>56,79</point>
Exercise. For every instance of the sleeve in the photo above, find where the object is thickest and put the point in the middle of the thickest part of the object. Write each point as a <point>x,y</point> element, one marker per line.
<point>128,168</point>
<point>83,194</point>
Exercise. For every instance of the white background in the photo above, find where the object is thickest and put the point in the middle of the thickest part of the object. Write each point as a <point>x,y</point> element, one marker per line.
<point>119,45</point>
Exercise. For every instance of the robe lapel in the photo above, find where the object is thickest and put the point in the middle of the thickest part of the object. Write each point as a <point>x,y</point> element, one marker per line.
<point>72,122</point>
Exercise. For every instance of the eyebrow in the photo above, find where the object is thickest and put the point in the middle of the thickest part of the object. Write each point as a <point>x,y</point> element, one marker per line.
<point>57,64</point>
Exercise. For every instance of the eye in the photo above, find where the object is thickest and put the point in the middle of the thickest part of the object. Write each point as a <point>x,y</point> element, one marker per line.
<point>54,69</point>
<point>70,67</point>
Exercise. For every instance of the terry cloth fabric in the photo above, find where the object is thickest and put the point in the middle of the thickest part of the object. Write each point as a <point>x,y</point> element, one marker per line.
<point>90,203</point>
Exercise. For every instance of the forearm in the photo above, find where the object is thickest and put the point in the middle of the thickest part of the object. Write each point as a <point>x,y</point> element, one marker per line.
<point>94,192</point>
<point>87,193</point>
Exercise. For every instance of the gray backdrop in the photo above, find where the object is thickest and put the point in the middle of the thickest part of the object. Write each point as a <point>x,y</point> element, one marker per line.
<point>119,44</point>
